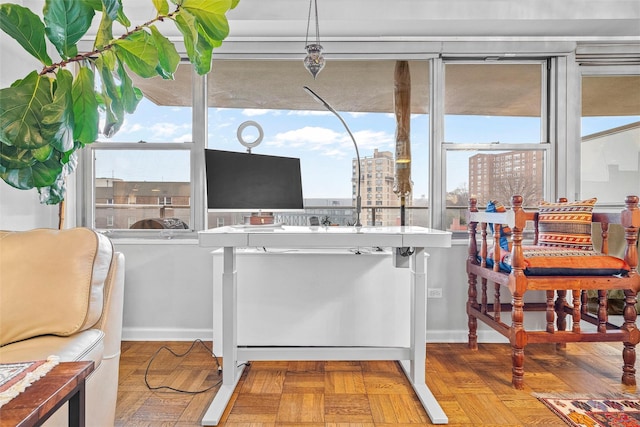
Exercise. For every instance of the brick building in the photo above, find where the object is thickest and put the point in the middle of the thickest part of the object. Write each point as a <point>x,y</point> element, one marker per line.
<point>502,175</point>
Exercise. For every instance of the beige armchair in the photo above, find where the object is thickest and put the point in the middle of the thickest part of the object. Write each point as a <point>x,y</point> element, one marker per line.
<point>62,294</point>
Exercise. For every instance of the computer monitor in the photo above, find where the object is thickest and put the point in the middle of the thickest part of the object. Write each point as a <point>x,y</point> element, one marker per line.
<point>245,182</point>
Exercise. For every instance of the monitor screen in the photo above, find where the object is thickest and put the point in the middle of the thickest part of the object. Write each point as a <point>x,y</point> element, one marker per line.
<point>244,182</point>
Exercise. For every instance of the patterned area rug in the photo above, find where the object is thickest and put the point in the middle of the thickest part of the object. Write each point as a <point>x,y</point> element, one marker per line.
<point>590,411</point>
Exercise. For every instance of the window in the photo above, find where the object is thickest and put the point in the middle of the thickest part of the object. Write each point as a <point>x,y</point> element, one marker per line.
<point>132,194</point>
<point>146,167</point>
<point>610,130</point>
<point>295,125</point>
<point>166,200</point>
<point>495,137</point>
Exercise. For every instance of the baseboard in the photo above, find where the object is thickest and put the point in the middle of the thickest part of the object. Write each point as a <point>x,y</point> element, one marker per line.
<point>165,334</point>
<point>179,334</point>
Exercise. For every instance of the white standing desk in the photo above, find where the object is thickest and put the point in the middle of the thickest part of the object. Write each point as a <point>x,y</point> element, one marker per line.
<point>412,358</point>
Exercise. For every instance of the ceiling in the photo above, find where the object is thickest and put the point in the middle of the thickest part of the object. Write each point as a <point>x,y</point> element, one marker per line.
<point>425,18</point>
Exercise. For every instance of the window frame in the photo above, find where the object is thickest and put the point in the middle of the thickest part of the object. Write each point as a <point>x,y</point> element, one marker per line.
<point>590,65</point>
<point>86,168</point>
<point>440,148</point>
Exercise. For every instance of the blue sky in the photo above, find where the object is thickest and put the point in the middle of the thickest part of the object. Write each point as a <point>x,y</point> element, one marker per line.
<point>317,138</point>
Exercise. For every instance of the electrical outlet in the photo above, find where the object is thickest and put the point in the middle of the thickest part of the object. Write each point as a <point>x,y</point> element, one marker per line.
<point>434,292</point>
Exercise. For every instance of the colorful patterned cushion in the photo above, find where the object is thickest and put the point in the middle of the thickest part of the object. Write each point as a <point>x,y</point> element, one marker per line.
<point>550,261</point>
<point>566,225</point>
<point>505,230</point>
<point>505,235</point>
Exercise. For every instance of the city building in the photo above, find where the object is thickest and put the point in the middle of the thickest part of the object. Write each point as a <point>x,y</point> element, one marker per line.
<point>122,204</point>
<point>378,198</point>
<point>501,175</point>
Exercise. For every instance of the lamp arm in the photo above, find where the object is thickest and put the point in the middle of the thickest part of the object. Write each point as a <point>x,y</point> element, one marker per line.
<point>358,198</point>
<point>330,108</point>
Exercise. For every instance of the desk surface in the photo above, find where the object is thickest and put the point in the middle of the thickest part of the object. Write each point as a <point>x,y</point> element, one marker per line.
<point>310,237</point>
<point>42,398</point>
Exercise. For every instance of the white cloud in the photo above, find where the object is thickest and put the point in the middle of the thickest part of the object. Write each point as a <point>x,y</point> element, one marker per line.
<point>167,130</point>
<point>324,141</point>
<point>330,143</point>
<point>368,139</point>
<point>309,113</point>
<point>252,112</point>
<point>187,137</point>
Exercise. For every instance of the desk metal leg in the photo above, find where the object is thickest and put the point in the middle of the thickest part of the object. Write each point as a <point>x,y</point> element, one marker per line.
<point>230,372</point>
<point>77,407</point>
<point>415,368</point>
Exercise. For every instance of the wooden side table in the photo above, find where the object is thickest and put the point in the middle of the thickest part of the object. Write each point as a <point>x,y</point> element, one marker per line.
<point>64,383</point>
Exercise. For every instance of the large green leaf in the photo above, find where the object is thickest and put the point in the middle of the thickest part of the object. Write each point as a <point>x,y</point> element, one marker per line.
<point>15,158</point>
<point>122,18</point>
<point>168,57</point>
<point>162,6</point>
<point>131,95</point>
<point>139,53</point>
<point>210,17</point>
<point>45,173</point>
<point>21,179</point>
<point>111,97</point>
<point>59,114</point>
<point>39,174</point>
<point>104,35</point>
<point>85,107</point>
<point>94,4</point>
<point>21,112</point>
<point>26,28</point>
<point>199,50</point>
<point>66,22</point>
<point>43,153</point>
<point>111,8</point>
<point>54,194</point>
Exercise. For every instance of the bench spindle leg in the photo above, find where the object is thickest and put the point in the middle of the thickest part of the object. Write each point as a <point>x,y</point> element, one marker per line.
<point>518,341</point>
<point>629,350</point>
<point>550,312</point>
<point>473,320</point>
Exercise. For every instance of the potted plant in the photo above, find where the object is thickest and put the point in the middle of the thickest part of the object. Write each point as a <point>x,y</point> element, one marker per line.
<point>51,113</point>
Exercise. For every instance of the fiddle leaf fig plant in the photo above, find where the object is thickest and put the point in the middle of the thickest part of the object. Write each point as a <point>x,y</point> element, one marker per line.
<point>51,113</point>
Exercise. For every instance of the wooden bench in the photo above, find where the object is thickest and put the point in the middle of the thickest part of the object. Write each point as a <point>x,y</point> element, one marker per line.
<point>488,308</point>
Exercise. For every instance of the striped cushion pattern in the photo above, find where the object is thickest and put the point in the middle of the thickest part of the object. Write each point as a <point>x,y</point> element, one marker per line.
<point>566,225</point>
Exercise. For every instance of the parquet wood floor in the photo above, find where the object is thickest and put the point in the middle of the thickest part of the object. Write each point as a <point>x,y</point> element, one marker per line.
<point>473,387</point>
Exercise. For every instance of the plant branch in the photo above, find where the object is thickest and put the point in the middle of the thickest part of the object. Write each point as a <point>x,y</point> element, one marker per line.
<point>81,57</point>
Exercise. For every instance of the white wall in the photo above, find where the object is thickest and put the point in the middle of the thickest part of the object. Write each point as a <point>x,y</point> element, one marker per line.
<point>168,292</point>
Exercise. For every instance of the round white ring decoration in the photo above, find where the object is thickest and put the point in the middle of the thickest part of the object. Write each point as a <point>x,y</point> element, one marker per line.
<point>258,140</point>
